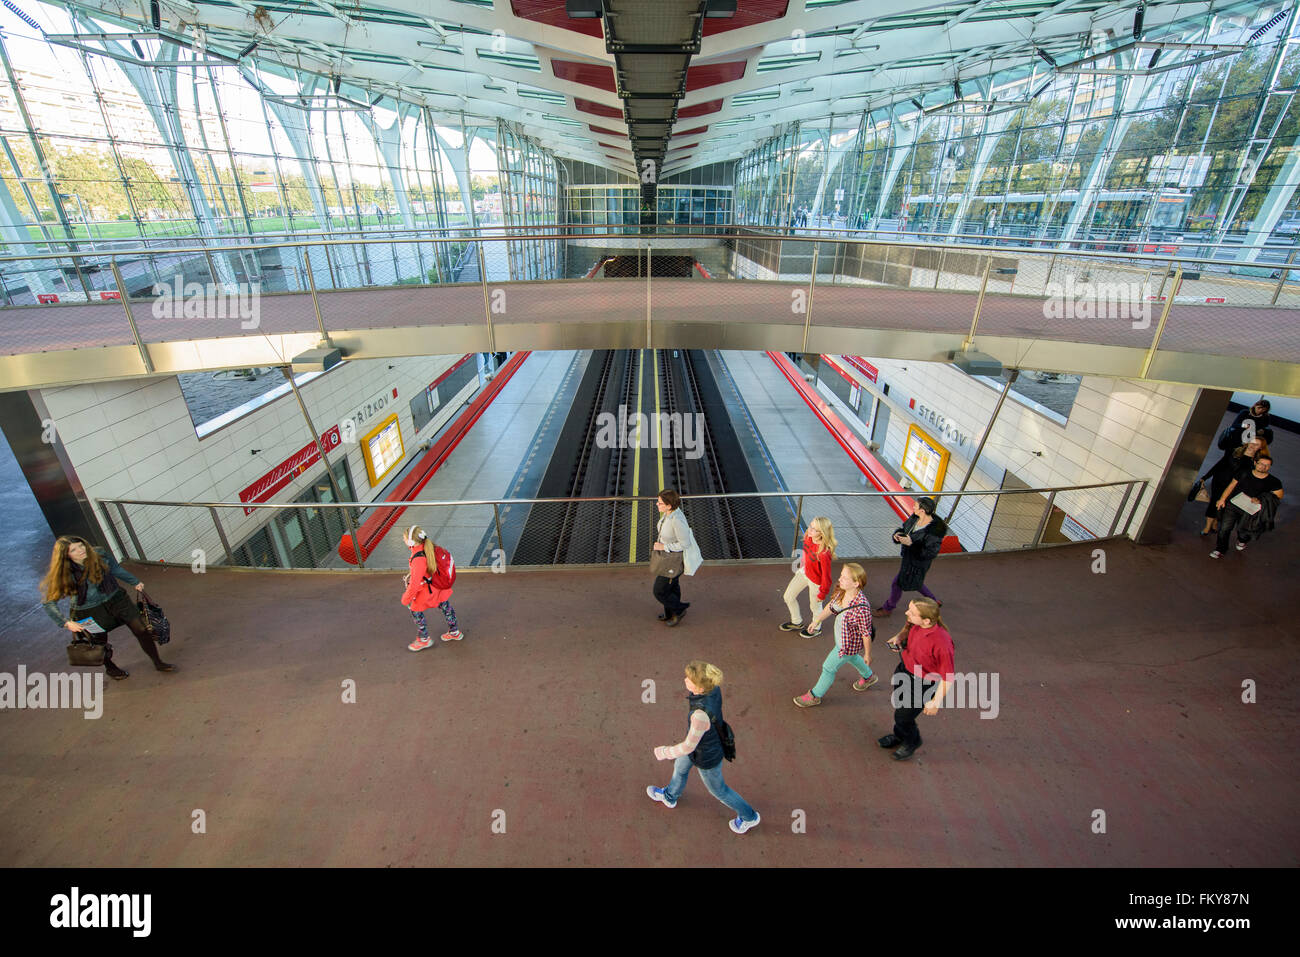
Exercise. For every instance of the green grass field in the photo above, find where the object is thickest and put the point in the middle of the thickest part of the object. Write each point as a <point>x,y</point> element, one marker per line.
<point>182,230</point>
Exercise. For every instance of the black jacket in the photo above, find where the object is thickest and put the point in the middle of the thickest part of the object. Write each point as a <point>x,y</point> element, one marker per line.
<point>918,556</point>
<point>1262,521</point>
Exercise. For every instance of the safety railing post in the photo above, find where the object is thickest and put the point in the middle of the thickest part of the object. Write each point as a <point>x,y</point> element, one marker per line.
<point>1119,509</point>
<point>812,285</point>
<point>130,317</point>
<point>1042,523</point>
<point>315,299</point>
<point>221,534</point>
<point>798,515</point>
<point>487,306</point>
<point>496,517</point>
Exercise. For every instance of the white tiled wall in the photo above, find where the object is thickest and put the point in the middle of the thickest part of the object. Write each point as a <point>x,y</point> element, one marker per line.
<point>134,439</point>
<point>1118,429</point>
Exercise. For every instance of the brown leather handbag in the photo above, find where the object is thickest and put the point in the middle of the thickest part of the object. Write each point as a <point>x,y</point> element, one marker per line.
<point>666,564</point>
<point>87,654</point>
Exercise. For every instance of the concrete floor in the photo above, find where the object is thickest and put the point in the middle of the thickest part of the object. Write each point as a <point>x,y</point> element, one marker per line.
<point>1119,692</point>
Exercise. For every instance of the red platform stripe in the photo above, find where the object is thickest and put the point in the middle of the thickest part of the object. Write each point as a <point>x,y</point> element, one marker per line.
<point>378,525</point>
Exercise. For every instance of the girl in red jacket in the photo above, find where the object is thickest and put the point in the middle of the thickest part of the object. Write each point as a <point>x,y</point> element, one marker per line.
<point>815,575</point>
<point>433,571</point>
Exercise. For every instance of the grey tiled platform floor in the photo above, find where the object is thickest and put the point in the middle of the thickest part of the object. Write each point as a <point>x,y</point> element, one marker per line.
<point>809,459</point>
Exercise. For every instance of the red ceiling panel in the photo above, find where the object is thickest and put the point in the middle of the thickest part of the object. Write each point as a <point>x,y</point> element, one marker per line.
<point>748,13</point>
<point>551,12</point>
<point>604,132</point>
<point>694,132</point>
<point>615,146</point>
<point>589,74</point>
<point>698,109</point>
<point>711,74</point>
<point>601,110</point>
<point>684,146</point>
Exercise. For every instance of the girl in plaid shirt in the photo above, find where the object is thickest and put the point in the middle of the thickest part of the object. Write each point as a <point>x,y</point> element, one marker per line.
<point>853,633</point>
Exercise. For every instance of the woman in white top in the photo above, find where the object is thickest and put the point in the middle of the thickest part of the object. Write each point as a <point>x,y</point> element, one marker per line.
<point>674,535</point>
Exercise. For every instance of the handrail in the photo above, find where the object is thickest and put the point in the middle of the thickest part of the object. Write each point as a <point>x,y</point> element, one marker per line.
<point>509,237</point>
<point>625,498</point>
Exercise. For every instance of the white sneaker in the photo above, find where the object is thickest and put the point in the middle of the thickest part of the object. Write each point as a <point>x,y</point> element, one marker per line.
<point>740,827</point>
<point>1216,554</point>
<point>1241,546</point>
<point>657,794</point>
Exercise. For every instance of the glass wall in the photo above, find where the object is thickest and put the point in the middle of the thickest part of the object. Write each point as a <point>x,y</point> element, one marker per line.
<point>1118,151</point>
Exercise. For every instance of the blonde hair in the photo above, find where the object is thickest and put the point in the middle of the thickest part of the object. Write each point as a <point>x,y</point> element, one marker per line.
<point>823,525</point>
<point>859,575</point>
<point>416,534</point>
<point>703,675</point>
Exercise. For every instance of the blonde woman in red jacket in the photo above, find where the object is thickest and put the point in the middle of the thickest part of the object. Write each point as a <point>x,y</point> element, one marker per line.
<point>814,576</point>
<point>428,585</point>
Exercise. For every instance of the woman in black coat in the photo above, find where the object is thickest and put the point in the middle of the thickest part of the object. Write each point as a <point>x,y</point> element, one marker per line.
<point>920,538</point>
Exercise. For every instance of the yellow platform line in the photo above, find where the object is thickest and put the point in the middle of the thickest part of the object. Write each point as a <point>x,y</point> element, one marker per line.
<point>659,444</point>
<point>636,461</point>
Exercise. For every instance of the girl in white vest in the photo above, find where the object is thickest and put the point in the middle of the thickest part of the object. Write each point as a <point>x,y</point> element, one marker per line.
<point>675,538</point>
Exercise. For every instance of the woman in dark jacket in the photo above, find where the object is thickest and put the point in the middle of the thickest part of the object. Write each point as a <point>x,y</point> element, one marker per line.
<point>920,538</point>
<point>89,577</point>
<point>1234,462</point>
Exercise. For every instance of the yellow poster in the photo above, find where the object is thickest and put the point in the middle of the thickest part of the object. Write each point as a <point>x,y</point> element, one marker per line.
<point>383,449</point>
<point>925,460</point>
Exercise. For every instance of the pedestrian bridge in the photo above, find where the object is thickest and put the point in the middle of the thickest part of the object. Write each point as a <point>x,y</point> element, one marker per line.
<point>1179,316</point>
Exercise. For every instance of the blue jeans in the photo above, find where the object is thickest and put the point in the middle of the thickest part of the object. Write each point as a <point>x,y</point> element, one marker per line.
<point>713,781</point>
<point>832,664</point>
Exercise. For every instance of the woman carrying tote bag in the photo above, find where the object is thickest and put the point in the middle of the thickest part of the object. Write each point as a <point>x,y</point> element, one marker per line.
<point>674,552</point>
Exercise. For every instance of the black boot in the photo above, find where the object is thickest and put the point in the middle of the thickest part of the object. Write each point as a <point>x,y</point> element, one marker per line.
<point>112,670</point>
<point>150,648</point>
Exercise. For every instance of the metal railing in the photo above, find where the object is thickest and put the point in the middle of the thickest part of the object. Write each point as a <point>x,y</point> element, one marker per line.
<point>1147,284</point>
<point>484,531</point>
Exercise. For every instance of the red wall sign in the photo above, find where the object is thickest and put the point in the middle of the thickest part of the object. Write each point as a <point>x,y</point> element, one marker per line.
<point>289,469</point>
<point>866,368</point>
<point>46,297</point>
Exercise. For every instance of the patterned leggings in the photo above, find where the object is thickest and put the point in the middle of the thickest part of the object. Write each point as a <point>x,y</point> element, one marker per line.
<point>447,612</point>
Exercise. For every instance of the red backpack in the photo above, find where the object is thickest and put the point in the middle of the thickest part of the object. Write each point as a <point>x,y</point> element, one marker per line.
<point>444,576</point>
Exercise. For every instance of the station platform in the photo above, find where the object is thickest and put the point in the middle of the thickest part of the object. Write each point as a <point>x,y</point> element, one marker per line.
<point>809,459</point>
<point>485,463</point>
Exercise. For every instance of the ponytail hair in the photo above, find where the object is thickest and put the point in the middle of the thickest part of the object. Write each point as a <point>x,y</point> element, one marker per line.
<point>704,675</point>
<point>416,534</point>
<point>929,608</point>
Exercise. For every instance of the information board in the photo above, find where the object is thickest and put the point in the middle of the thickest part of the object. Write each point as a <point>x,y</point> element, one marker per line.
<point>383,449</point>
<point>924,459</point>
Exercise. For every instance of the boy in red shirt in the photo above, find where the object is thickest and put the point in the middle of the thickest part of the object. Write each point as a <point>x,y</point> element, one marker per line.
<point>922,678</point>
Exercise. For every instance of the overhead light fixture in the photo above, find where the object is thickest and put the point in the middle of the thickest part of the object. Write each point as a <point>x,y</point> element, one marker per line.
<point>974,362</point>
<point>1046,56</point>
<point>247,50</point>
<point>1155,57</point>
<point>1138,15</point>
<point>135,45</point>
<point>155,14</point>
<point>956,89</point>
<point>583,9</point>
<point>917,103</point>
<point>338,82</point>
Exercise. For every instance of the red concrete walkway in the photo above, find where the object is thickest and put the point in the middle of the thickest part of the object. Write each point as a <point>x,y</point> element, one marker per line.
<point>1119,692</point>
